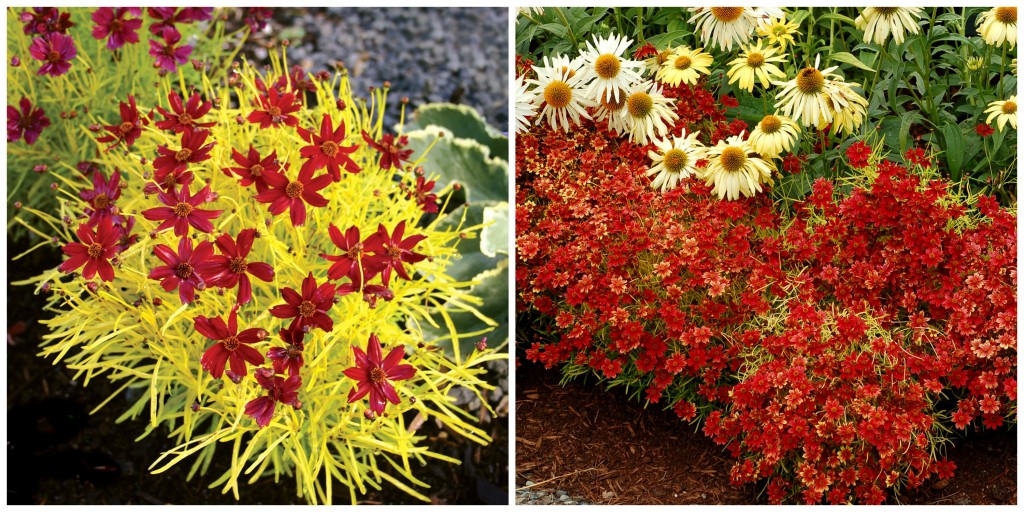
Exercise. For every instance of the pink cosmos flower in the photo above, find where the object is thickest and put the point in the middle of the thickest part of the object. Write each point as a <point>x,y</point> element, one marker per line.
<point>373,374</point>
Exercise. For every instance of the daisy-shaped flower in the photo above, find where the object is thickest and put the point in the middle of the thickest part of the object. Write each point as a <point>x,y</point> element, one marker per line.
<point>232,347</point>
<point>685,66</point>
<point>561,83</point>
<point>350,260</point>
<point>130,128</point>
<point>309,310</point>
<point>275,109</point>
<point>187,270</point>
<point>779,32</point>
<point>288,359</point>
<point>252,167</point>
<point>165,17</point>
<point>773,135</point>
<point>606,72</point>
<point>94,251</point>
<point>725,26</point>
<point>325,149</point>
<point>28,122</point>
<point>648,113</point>
<point>847,106</point>
<point>284,194</point>
<point>525,107</point>
<point>110,23</point>
<point>55,51</point>
<point>391,152</point>
<point>998,26</point>
<point>881,23</point>
<point>734,168</point>
<point>756,64</point>
<point>182,210</point>
<point>101,196</point>
<point>184,116</point>
<point>192,151</point>
<point>390,251</point>
<point>169,54</point>
<point>374,374</point>
<point>233,267</point>
<point>805,97</point>
<point>279,389</point>
<point>1003,112</point>
<point>675,160</point>
<point>45,20</point>
<point>611,112</point>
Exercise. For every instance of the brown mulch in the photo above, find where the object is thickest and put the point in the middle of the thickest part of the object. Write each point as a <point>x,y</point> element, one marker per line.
<point>599,445</point>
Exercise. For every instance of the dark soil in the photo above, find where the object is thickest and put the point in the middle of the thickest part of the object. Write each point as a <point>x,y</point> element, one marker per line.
<point>58,454</point>
<point>598,445</point>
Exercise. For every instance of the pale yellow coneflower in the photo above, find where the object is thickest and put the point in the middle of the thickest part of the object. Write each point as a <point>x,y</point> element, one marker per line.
<point>735,169</point>
<point>881,23</point>
<point>1003,112</point>
<point>725,26</point>
<point>560,85</point>
<point>773,135</point>
<point>779,32</point>
<point>605,71</point>
<point>684,66</point>
<point>998,26</point>
<point>647,113</point>
<point>755,64</point>
<point>675,160</point>
<point>525,107</point>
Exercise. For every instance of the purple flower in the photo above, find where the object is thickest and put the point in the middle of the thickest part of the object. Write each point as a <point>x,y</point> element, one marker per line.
<point>27,122</point>
<point>169,55</point>
<point>55,50</point>
<point>110,22</point>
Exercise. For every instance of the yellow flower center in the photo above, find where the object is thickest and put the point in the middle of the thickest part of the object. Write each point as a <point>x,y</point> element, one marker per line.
<point>663,56</point>
<point>887,11</point>
<point>256,170</point>
<point>185,119</point>
<point>810,81</point>
<point>558,94</point>
<point>182,209</point>
<point>1007,15</point>
<point>329,148</point>
<point>607,66</point>
<point>755,60</point>
<point>126,127</point>
<point>613,105</point>
<point>1010,107</point>
<point>675,160</point>
<point>771,124</point>
<point>727,14</point>
<point>779,30</point>
<point>682,62</point>
<point>640,104</point>
<point>733,158</point>
<point>274,111</point>
<point>95,250</point>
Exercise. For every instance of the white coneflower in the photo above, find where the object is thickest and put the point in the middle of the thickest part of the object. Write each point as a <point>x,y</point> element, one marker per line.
<point>879,23</point>
<point>684,66</point>
<point>755,64</point>
<point>773,135</point>
<point>675,160</point>
<point>998,26</point>
<point>805,97</point>
<point>1003,112</point>
<point>525,108</point>
<point>611,111</point>
<point>647,112</point>
<point>726,26</point>
<point>605,70</point>
<point>561,87</point>
<point>734,168</point>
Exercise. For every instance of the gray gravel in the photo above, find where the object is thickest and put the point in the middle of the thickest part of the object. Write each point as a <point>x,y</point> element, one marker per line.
<point>528,495</point>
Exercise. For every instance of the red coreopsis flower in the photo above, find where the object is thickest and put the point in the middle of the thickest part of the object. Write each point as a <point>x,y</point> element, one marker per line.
<point>793,163</point>
<point>184,116</point>
<point>46,20</point>
<point>348,262</point>
<point>275,109</point>
<point>984,130</point>
<point>94,251</point>
<point>918,156</point>
<point>169,55</point>
<point>124,226</point>
<point>278,389</point>
<point>647,50</point>
<point>371,292</point>
<point>233,346</point>
<point>188,270</point>
<point>389,251</point>
<point>425,200</point>
<point>190,14</point>
<point>288,357</point>
<point>192,151</point>
<point>101,196</point>
<point>110,23</point>
<point>391,152</point>
<point>233,267</point>
<point>325,149</point>
<point>285,194</point>
<point>130,128</point>
<point>256,17</point>
<point>165,17</point>
<point>182,211</point>
<point>857,154</point>
<point>28,122</point>
<point>373,374</point>
<point>729,101</point>
<point>310,308</point>
<point>55,51</point>
<point>251,168</point>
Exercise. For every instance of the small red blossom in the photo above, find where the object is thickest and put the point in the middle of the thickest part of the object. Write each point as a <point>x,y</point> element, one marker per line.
<point>371,292</point>
<point>94,251</point>
<point>164,18</point>
<point>46,20</point>
<point>187,270</point>
<point>288,357</point>
<point>184,116</point>
<point>309,310</point>
<point>390,251</point>
<point>233,346</point>
<point>278,389</point>
<point>729,101</point>
<point>182,210</point>
<point>917,156</point>
<point>190,14</point>
<point>276,109</point>
<point>647,50</point>
<point>349,261</point>
<point>373,374</point>
<point>101,196</point>
<point>426,201</point>
<point>256,17</point>
<point>285,194</point>
<point>55,51</point>
<point>233,267</point>
<point>192,151</point>
<point>28,122</point>
<point>857,154</point>
<point>169,54</point>
<point>325,149</point>
<point>130,128</point>
<point>124,226</point>
<point>251,168</point>
<point>793,163</point>
<point>984,130</point>
<point>110,23</point>
<point>391,152</point>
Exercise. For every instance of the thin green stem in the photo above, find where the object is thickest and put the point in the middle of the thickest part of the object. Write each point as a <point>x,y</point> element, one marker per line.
<point>568,29</point>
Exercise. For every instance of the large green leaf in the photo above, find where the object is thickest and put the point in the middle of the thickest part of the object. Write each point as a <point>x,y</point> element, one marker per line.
<point>462,161</point>
<point>494,236</point>
<point>464,122</point>
<point>955,149</point>
<point>493,288</point>
<point>472,261</point>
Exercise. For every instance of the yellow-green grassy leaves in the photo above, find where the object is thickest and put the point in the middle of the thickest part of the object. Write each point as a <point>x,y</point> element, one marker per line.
<point>135,333</point>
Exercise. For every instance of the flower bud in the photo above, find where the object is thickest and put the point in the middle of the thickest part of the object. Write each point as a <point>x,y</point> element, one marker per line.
<point>15,61</point>
<point>41,168</point>
<point>54,186</point>
<point>368,414</point>
<point>341,104</point>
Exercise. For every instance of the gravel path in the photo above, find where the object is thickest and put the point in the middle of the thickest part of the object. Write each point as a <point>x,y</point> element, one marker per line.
<point>528,495</point>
